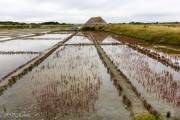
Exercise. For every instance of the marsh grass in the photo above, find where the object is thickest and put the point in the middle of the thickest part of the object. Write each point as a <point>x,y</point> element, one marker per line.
<point>149,76</point>
<point>58,92</point>
<point>153,34</point>
<point>167,50</point>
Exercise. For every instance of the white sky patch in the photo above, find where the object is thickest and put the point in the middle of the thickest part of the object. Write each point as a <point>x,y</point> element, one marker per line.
<point>78,11</point>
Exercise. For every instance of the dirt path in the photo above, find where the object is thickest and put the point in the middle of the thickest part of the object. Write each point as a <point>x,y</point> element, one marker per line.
<point>14,76</point>
<point>130,98</point>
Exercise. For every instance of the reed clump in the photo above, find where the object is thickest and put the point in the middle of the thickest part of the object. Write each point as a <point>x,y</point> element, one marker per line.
<point>59,93</point>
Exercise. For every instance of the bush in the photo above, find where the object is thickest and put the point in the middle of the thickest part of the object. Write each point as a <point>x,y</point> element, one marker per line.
<point>147,116</point>
<point>88,28</point>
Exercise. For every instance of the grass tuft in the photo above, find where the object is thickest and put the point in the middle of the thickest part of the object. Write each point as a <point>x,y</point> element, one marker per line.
<point>147,116</point>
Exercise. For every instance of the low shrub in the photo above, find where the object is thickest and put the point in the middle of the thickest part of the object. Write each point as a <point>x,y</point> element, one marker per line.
<point>147,116</point>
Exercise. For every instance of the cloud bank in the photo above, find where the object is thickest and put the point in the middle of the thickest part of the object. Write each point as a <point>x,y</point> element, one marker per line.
<point>78,11</point>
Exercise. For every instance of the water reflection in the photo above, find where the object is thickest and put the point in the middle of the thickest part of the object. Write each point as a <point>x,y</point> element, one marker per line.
<point>67,96</point>
<point>146,70</point>
<point>147,74</point>
<point>100,36</point>
<point>79,39</point>
<point>30,45</point>
<point>109,39</point>
<point>9,62</point>
<point>57,35</point>
<point>70,84</point>
<point>63,93</point>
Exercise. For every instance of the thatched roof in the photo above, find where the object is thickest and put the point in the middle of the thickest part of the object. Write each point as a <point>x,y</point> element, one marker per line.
<point>95,21</point>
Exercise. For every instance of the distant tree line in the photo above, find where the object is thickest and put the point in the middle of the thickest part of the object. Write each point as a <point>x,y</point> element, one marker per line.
<point>53,23</point>
<point>154,23</point>
<point>11,23</point>
<point>148,23</point>
<point>22,23</point>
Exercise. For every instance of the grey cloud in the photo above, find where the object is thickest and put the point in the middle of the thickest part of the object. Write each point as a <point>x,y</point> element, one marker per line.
<point>77,11</point>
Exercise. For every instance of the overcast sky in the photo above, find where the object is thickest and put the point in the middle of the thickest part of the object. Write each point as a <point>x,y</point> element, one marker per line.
<point>78,11</point>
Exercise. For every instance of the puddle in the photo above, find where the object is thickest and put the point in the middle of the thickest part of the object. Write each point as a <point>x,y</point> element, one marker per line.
<point>8,63</point>
<point>157,83</point>
<point>70,84</point>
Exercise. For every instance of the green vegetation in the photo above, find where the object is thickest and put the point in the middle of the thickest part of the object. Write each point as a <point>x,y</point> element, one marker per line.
<point>44,25</point>
<point>151,33</point>
<point>167,50</point>
<point>11,23</point>
<point>88,28</point>
<point>147,116</point>
<point>17,25</point>
<point>53,23</point>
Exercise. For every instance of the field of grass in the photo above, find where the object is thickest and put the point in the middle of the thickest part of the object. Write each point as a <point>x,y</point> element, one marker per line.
<point>158,34</point>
